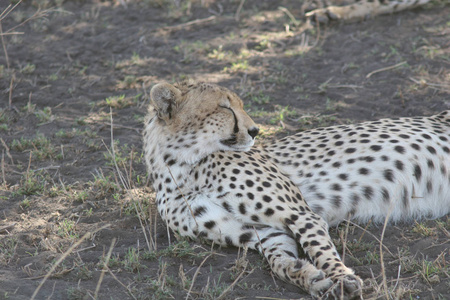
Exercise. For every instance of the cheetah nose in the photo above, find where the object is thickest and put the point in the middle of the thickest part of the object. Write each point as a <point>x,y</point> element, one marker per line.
<point>253,131</point>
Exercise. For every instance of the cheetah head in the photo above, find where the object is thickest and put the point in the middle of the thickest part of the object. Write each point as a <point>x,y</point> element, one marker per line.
<point>192,120</point>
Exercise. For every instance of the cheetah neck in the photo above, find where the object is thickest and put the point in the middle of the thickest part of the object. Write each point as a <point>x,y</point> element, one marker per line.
<point>169,162</point>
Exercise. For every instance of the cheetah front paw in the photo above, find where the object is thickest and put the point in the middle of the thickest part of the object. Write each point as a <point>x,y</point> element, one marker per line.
<point>310,278</point>
<point>346,287</point>
<point>320,285</point>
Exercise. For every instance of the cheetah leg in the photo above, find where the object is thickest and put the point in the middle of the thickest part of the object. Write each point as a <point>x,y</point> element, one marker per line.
<point>277,246</point>
<point>281,251</point>
<point>311,231</point>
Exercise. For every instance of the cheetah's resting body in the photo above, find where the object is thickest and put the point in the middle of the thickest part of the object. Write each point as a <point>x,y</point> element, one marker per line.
<point>195,140</point>
<point>399,167</point>
<point>356,9</point>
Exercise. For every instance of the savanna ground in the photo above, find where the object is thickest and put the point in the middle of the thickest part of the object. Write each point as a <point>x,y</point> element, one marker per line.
<point>74,81</point>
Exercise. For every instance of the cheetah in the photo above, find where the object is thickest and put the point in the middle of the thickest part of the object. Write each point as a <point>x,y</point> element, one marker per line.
<point>328,10</point>
<point>211,183</point>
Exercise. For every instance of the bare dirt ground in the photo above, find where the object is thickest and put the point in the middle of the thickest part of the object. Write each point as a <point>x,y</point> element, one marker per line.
<point>72,70</point>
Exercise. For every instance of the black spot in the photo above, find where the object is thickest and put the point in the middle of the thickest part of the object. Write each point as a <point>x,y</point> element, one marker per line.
<point>343,176</point>
<point>309,226</point>
<point>400,149</point>
<point>199,211</point>
<point>258,205</point>
<point>250,196</point>
<point>355,199</point>
<point>228,241</point>
<point>255,218</point>
<point>368,192</point>
<point>415,146</point>
<point>336,164</point>
<point>242,209</point>
<point>266,184</point>
<point>399,165</point>
<point>336,187</point>
<point>289,253</point>
<point>236,171</point>
<point>388,175</point>
<point>375,148</point>
<point>249,183</point>
<point>363,171</point>
<point>431,150</point>
<point>269,212</point>
<point>210,224</point>
<point>315,243</point>
<point>227,207</point>
<point>350,150</point>
<point>417,172</point>
<point>267,198</point>
<point>337,200</point>
<point>245,237</point>
<point>429,186</point>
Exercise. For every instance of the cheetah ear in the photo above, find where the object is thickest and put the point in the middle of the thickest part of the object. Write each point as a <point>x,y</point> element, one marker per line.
<point>165,98</point>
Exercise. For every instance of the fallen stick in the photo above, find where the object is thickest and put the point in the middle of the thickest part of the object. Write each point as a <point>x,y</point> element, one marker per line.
<point>194,22</point>
<point>385,69</point>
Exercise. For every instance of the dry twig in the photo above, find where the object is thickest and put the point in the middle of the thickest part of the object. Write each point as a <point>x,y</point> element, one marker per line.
<point>385,69</point>
<point>59,261</point>
<point>105,268</point>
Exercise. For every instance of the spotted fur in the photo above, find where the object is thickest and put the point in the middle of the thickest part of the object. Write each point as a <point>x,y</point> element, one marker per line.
<point>326,10</point>
<point>210,183</point>
<point>396,167</point>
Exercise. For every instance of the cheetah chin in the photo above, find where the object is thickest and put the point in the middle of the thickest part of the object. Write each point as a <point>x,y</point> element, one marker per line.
<point>392,167</point>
